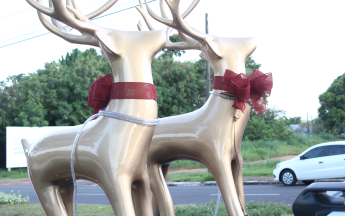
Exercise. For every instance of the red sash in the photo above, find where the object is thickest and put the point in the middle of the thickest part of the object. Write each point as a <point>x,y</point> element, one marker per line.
<point>103,90</point>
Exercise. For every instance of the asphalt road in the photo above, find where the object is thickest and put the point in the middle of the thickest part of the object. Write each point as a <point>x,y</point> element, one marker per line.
<point>182,194</point>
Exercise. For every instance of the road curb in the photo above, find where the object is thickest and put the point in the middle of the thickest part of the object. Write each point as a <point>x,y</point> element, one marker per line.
<point>84,183</point>
<point>214,183</point>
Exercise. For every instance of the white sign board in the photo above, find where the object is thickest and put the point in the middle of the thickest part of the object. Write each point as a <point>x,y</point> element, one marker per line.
<point>15,156</point>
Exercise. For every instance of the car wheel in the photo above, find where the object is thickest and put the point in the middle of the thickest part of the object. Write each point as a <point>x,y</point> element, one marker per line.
<point>288,178</point>
<point>308,182</point>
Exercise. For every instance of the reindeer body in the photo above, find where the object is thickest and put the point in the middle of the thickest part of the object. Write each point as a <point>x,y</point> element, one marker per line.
<point>208,135</point>
<point>110,152</point>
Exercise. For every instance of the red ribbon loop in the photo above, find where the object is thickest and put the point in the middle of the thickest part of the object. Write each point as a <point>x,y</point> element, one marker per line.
<point>255,87</point>
<point>99,92</point>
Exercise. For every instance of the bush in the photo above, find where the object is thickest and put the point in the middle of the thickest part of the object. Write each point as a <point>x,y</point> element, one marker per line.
<point>12,198</point>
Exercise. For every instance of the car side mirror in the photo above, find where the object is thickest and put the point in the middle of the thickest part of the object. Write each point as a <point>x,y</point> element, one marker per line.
<point>302,157</point>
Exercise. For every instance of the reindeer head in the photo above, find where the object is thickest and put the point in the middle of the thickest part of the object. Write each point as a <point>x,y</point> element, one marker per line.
<point>223,53</point>
<point>128,50</point>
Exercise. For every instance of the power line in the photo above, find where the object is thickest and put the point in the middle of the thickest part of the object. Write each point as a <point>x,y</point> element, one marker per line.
<point>50,32</point>
<point>40,24</point>
<point>24,40</point>
<point>19,30</point>
<point>22,35</point>
<point>19,11</point>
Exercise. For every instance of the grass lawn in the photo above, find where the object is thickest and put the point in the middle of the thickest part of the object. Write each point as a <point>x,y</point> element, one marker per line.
<point>16,173</point>
<point>251,169</point>
<point>253,209</point>
<point>296,144</point>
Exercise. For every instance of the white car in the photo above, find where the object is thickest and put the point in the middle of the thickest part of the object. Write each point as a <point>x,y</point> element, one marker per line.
<point>322,161</point>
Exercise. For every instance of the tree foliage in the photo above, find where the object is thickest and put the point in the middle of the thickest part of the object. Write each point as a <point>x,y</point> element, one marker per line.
<point>57,95</point>
<point>269,126</point>
<point>332,109</point>
<point>53,96</point>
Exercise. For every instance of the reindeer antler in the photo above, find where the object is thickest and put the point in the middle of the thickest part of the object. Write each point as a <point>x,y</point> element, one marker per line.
<point>188,42</point>
<point>178,22</point>
<point>79,21</point>
<point>63,31</point>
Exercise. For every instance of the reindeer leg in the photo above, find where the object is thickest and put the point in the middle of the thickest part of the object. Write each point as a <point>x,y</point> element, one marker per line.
<point>160,191</point>
<point>236,167</point>
<point>165,169</point>
<point>142,196</point>
<point>50,199</point>
<point>66,192</point>
<point>222,173</point>
<point>118,191</point>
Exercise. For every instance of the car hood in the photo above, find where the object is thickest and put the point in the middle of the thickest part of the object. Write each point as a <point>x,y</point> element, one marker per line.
<point>290,160</point>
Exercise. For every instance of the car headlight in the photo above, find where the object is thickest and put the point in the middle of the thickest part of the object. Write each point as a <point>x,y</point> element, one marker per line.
<point>277,166</point>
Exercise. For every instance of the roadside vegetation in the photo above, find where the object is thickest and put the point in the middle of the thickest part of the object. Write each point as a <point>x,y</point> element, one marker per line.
<point>12,198</point>
<point>262,168</point>
<point>253,209</point>
<point>19,173</point>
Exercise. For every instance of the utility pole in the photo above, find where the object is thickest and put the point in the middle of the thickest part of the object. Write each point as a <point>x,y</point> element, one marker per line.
<point>208,83</point>
<point>312,125</point>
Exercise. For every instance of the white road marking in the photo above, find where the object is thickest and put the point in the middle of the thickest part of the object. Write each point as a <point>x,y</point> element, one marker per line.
<point>87,194</point>
<point>254,194</point>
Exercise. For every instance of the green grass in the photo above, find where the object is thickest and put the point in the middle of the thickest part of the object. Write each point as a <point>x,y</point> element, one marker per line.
<point>253,209</point>
<point>18,173</point>
<point>263,149</point>
<point>185,164</point>
<point>260,169</point>
<point>37,210</point>
<point>190,177</point>
<point>264,168</point>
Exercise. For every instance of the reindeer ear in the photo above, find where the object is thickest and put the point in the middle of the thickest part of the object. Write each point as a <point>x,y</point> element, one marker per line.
<point>106,41</point>
<point>203,56</point>
<point>214,49</point>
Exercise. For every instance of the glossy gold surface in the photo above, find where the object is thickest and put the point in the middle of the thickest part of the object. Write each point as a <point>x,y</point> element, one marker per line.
<point>110,152</point>
<point>210,135</point>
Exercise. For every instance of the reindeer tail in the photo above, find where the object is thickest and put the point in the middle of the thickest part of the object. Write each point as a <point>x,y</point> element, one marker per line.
<point>26,145</point>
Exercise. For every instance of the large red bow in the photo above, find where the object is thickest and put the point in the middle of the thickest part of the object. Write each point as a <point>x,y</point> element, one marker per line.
<point>255,87</point>
<point>100,92</point>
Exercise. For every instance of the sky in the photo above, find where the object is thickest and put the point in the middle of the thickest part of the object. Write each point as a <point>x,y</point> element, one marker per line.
<point>301,42</point>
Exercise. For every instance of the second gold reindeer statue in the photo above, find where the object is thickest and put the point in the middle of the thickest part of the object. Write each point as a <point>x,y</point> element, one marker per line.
<point>212,134</point>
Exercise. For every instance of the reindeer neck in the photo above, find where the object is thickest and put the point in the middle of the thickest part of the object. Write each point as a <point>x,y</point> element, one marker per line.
<point>127,69</point>
<point>234,64</point>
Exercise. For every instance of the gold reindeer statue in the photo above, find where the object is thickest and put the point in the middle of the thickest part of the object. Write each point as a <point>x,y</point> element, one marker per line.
<point>212,134</point>
<point>110,152</point>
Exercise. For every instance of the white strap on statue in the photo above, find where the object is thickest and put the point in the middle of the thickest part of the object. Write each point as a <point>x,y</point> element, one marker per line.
<point>136,120</point>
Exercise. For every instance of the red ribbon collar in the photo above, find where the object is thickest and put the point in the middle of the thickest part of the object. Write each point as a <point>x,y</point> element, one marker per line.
<point>255,87</point>
<point>103,90</point>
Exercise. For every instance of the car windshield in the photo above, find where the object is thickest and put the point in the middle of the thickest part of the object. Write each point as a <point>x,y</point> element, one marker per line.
<point>316,152</point>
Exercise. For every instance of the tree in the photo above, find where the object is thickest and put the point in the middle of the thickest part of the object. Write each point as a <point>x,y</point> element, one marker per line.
<point>180,85</point>
<point>295,120</point>
<point>332,109</point>
<point>166,53</point>
<point>54,96</point>
<point>251,65</point>
<point>270,125</point>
